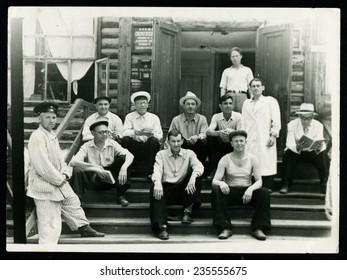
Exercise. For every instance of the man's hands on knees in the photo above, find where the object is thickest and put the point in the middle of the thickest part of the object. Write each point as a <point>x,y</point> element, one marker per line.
<point>122,176</point>
<point>158,190</point>
<point>247,196</point>
<point>224,187</point>
<point>191,185</point>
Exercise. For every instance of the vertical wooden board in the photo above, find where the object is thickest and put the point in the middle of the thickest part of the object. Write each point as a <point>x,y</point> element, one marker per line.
<point>124,68</point>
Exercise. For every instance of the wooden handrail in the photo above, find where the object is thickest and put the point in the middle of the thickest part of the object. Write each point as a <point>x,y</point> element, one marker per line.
<point>70,115</point>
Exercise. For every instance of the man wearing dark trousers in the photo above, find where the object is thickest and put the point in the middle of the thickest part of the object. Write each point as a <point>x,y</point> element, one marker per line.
<point>232,185</point>
<point>299,151</point>
<point>142,131</point>
<point>192,125</point>
<point>176,180</point>
<point>98,155</point>
<point>218,132</point>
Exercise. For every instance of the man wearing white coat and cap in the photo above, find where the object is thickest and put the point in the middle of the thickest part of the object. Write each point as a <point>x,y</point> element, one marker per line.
<point>261,119</point>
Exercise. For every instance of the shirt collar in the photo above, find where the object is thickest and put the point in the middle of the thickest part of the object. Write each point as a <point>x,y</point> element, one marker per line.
<point>261,97</point>
<point>231,117</point>
<point>107,143</point>
<point>180,153</point>
<point>107,116</point>
<point>195,117</point>
<point>51,135</point>
<point>241,66</point>
<point>137,115</point>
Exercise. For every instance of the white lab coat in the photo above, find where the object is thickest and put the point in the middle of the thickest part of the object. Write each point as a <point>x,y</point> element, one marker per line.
<point>259,119</point>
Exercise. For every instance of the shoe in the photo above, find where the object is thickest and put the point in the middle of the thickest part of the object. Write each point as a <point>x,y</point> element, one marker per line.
<point>122,201</point>
<point>163,234</point>
<point>87,231</point>
<point>284,189</point>
<point>225,234</point>
<point>259,234</point>
<point>187,218</point>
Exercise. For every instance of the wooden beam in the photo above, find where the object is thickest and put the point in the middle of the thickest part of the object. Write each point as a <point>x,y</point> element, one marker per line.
<point>124,68</point>
<point>18,183</point>
<point>219,26</point>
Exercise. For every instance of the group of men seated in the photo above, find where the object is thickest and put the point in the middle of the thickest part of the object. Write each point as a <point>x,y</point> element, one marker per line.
<point>175,171</point>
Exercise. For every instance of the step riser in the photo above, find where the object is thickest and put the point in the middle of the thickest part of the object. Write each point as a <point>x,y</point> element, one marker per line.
<point>191,229</point>
<point>206,213</point>
<point>135,196</point>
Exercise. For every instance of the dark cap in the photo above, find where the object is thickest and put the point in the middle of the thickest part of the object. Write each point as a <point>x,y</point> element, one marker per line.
<point>45,107</point>
<point>237,133</point>
<point>94,125</point>
<point>102,98</point>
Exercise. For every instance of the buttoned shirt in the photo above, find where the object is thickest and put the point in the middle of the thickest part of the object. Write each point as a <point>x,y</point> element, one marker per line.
<point>170,168</point>
<point>104,157</point>
<point>135,121</point>
<point>114,124</point>
<point>218,121</point>
<point>236,79</point>
<point>196,126</point>
<point>296,131</point>
<point>47,167</point>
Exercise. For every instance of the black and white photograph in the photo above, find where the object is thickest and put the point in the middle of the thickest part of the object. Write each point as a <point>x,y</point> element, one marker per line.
<point>131,130</point>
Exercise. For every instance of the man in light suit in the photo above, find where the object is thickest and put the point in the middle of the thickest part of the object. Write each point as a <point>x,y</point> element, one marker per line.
<point>48,186</point>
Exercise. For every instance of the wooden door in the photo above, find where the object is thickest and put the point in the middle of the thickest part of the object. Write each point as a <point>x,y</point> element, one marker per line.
<point>273,64</point>
<point>197,77</point>
<point>165,70</point>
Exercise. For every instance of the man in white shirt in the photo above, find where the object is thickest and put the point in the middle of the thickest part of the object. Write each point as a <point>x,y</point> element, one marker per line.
<point>97,156</point>
<point>142,131</point>
<point>299,151</point>
<point>115,125</point>
<point>176,180</point>
<point>235,79</point>
<point>218,132</point>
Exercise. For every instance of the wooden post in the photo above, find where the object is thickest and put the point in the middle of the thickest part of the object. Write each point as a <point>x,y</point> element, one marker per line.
<point>17,131</point>
<point>124,66</point>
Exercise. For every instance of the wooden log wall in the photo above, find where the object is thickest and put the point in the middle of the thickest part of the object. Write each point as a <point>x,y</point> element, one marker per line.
<point>108,38</point>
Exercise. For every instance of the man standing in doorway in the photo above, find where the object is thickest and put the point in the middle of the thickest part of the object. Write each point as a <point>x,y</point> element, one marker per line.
<point>192,125</point>
<point>261,119</point>
<point>48,185</point>
<point>115,125</point>
<point>235,79</point>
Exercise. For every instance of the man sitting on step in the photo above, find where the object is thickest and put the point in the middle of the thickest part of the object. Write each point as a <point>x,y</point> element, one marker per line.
<point>142,131</point>
<point>176,180</point>
<point>299,151</point>
<point>97,156</point>
<point>115,125</point>
<point>48,185</point>
<point>232,185</point>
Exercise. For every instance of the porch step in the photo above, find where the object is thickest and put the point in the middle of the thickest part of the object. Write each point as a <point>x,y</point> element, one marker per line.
<point>175,239</point>
<point>202,226</point>
<point>278,211</point>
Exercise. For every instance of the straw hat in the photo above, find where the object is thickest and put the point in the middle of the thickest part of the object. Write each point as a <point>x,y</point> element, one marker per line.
<point>190,95</point>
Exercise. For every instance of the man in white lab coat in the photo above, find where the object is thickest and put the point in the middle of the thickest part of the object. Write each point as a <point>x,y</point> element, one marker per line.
<point>261,119</point>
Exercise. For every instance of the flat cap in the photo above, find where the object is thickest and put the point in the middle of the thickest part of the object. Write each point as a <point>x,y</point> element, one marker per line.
<point>94,125</point>
<point>45,107</point>
<point>102,98</point>
<point>237,133</point>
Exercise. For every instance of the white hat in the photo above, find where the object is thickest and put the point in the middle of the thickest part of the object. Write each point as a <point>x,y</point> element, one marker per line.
<point>190,95</point>
<point>306,108</point>
<point>140,93</point>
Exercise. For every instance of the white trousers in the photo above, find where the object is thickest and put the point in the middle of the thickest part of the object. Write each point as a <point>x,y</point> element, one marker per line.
<point>49,215</point>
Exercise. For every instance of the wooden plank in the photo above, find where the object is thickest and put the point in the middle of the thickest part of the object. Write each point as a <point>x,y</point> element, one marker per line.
<point>124,67</point>
<point>219,26</point>
<point>109,43</point>
<point>110,32</point>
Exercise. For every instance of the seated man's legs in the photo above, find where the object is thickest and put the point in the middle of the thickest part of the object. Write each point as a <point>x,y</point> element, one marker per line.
<point>217,149</point>
<point>261,202</point>
<point>220,203</point>
<point>173,194</point>
<point>200,148</point>
<point>289,162</point>
<point>82,179</point>
<point>143,151</point>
